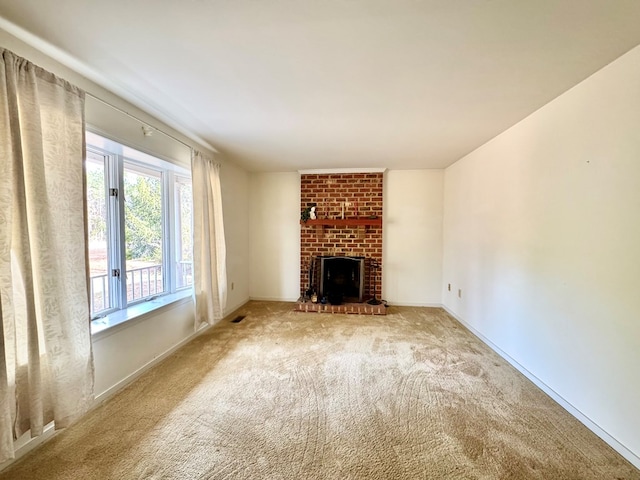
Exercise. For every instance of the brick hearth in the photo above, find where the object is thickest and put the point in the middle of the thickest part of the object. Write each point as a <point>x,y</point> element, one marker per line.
<point>349,308</point>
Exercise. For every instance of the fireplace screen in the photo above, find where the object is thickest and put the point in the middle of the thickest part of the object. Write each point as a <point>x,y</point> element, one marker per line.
<point>342,279</point>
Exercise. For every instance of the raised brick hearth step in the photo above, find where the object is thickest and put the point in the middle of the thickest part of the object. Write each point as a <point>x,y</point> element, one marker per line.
<point>350,308</point>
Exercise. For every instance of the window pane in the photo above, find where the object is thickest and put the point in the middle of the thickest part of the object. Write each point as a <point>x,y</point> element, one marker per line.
<point>143,232</point>
<point>98,233</point>
<point>184,233</point>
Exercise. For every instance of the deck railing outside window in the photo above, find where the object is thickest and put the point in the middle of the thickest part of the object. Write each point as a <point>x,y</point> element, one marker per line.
<point>142,283</point>
<point>99,293</point>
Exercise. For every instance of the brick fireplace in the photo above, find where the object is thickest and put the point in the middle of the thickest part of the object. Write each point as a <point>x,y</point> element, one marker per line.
<point>349,223</point>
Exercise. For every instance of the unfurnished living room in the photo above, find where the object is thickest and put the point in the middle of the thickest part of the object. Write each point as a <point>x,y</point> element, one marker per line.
<point>343,239</point>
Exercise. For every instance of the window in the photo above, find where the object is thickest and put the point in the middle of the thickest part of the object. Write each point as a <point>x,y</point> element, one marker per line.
<point>139,226</point>
<point>184,239</point>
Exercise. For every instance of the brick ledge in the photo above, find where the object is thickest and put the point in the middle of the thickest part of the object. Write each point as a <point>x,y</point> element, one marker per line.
<point>349,308</point>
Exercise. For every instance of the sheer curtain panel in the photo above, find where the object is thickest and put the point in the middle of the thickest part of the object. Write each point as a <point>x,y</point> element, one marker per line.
<point>46,365</point>
<point>209,249</point>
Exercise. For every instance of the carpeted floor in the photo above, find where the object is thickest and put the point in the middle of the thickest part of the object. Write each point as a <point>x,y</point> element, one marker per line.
<point>284,395</point>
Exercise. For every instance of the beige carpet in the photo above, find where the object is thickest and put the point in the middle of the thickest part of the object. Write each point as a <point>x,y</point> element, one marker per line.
<point>286,395</point>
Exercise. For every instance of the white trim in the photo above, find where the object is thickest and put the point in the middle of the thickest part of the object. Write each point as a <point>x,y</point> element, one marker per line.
<point>391,303</point>
<point>124,318</point>
<point>26,444</point>
<point>49,430</point>
<point>274,299</point>
<point>232,309</point>
<point>581,417</point>
<point>320,171</point>
<point>110,392</point>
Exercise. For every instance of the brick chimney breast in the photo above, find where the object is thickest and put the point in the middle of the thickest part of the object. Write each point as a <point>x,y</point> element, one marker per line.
<point>338,195</point>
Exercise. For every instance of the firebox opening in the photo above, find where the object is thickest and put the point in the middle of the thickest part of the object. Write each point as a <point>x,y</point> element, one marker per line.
<point>342,279</point>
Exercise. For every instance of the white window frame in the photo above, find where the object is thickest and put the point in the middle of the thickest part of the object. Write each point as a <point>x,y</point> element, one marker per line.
<point>116,157</point>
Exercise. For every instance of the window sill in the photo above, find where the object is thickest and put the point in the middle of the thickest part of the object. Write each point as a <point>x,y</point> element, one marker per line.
<point>101,325</point>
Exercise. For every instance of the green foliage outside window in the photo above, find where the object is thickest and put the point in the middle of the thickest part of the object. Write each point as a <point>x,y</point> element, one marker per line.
<point>143,218</point>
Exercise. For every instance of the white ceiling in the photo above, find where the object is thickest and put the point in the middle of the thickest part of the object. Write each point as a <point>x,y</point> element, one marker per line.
<point>301,84</point>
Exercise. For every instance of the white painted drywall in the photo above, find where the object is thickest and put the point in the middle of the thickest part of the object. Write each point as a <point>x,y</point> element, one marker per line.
<point>412,237</point>
<point>274,234</point>
<point>542,235</point>
<point>235,204</point>
<point>412,245</point>
<point>123,351</point>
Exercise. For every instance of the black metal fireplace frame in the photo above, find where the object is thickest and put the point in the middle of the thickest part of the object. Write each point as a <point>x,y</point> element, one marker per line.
<point>325,285</point>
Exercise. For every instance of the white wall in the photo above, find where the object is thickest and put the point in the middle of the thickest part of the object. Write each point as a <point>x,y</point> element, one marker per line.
<point>412,244</point>
<point>235,204</point>
<point>275,236</point>
<point>542,235</point>
<point>412,237</point>
<point>124,351</point>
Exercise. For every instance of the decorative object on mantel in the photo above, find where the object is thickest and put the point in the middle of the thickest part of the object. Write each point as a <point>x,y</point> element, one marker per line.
<point>306,214</point>
<point>309,213</point>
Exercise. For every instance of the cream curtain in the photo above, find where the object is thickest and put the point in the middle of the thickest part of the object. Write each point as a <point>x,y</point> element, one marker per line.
<point>209,249</point>
<point>46,366</point>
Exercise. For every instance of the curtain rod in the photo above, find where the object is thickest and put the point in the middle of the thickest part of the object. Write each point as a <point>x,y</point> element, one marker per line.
<point>139,120</point>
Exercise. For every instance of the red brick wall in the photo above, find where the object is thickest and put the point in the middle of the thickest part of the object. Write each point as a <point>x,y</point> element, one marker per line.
<point>364,192</point>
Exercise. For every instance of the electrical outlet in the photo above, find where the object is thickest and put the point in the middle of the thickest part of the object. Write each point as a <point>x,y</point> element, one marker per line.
<point>459,293</point>
<point>449,287</point>
<point>232,285</point>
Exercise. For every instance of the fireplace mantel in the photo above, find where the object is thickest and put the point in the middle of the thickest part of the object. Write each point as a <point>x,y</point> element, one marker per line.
<point>360,223</point>
<point>340,222</point>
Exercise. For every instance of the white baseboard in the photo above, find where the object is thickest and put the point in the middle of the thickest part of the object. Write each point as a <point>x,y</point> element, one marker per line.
<point>391,303</point>
<point>49,431</point>
<point>29,444</point>
<point>233,309</point>
<point>25,444</point>
<point>586,421</point>
<point>111,391</point>
<point>273,299</point>
<point>102,397</point>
